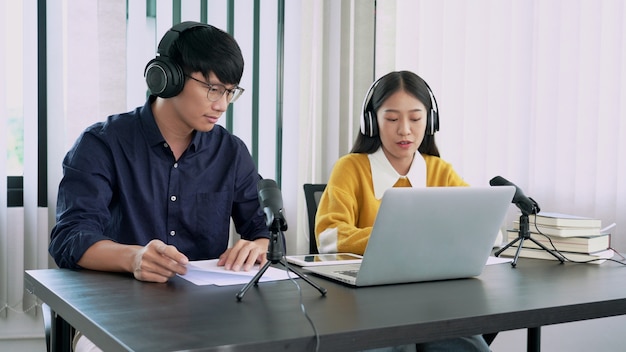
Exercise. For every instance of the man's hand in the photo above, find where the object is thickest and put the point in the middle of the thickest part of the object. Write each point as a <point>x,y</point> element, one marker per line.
<point>244,254</point>
<point>157,262</point>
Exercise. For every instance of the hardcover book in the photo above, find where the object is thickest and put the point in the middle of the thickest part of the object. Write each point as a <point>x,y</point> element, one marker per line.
<point>564,220</point>
<point>585,244</point>
<point>561,231</point>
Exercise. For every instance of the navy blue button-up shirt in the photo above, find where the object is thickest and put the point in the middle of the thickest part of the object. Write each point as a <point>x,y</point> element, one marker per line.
<point>121,182</point>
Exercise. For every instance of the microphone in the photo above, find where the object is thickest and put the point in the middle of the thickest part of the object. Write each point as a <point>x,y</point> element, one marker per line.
<point>271,201</point>
<point>526,204</point>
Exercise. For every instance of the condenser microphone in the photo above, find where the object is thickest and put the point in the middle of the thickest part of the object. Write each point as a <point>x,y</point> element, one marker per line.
<point>271,201</point>
<point>526,204</point>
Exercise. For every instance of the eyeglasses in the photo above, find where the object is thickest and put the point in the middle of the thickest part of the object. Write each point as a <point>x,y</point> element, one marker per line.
<point>216,91</point>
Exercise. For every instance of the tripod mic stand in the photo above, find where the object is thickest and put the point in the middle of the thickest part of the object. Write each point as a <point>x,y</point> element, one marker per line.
<point>524,234</point>
<point>275,256</point>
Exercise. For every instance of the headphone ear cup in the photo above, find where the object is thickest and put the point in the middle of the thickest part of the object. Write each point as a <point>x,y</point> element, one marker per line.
<point>432,124</point>
<point>373,124</point>
<point>369,125</point>
<point>164,78</point>
<point>364,122</point>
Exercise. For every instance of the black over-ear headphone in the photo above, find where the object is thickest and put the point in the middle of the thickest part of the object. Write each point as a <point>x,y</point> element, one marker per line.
<point>369,124</point>
<point>164,77</point>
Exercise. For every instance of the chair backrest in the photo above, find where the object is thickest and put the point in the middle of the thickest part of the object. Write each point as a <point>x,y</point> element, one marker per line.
<point>312,194</point>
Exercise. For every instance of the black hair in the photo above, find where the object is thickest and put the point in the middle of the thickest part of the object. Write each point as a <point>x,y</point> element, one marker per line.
<point>387,86</point>
<point>208,49</point>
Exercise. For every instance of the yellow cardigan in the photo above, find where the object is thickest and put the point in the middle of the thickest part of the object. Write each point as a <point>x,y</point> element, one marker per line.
<point>348,207</point>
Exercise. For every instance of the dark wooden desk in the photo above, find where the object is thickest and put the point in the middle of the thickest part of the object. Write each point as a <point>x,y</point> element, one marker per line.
<point>122,314</point>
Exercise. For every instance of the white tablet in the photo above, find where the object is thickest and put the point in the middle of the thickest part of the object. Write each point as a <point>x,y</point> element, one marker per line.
<point>324,259</point>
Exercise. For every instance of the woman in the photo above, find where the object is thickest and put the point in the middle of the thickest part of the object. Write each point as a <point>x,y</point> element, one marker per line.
<point>399,119</point>
<point>396,148</point>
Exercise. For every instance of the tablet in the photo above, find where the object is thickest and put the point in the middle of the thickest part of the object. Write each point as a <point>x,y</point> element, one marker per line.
<point>324,259</point>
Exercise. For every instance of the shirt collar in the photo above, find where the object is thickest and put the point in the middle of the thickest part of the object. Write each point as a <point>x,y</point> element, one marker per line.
<point>153,133</point>
<point>150,127</point>
<point>384,176</point>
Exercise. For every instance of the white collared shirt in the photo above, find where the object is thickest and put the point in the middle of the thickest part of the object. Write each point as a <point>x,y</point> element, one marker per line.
<point>384,176</point>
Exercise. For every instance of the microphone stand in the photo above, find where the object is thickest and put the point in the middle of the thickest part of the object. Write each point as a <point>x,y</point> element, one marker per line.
<point>275,256</point>
<point>524,234</point>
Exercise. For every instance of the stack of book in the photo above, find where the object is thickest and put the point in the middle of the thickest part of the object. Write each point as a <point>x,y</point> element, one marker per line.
<point>576,238</point>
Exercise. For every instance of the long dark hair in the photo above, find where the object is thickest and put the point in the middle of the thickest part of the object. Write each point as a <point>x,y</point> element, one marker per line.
<point>387,86</point>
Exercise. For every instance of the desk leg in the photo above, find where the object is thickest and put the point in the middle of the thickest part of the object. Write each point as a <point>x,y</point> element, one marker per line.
<point>61,334</point>
<point>533,340</point>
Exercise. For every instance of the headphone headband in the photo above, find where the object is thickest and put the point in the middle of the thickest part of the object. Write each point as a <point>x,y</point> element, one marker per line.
<point>173,33</point>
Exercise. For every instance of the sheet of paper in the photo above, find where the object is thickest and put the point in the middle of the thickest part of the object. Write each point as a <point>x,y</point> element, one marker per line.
<point>498,260</point>
<point>206,272</point>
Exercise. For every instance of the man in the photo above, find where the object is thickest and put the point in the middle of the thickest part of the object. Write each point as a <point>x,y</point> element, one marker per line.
<point>148,190</point>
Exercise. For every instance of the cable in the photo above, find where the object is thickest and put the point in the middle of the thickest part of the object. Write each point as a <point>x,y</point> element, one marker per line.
<point>301,300</point>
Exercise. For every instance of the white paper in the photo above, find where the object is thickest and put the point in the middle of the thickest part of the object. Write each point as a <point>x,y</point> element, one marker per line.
<point>497,260</point>
<point>206,272</point>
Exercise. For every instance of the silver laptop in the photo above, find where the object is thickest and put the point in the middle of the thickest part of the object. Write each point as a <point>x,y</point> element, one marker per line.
<point>428,234</point>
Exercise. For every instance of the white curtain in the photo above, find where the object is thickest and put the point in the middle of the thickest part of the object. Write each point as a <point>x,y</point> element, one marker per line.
<point>529,90</point>
<point>336,68</point>
<point>23,229</point>
<point>4,228</point>
<point>23,244</point>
